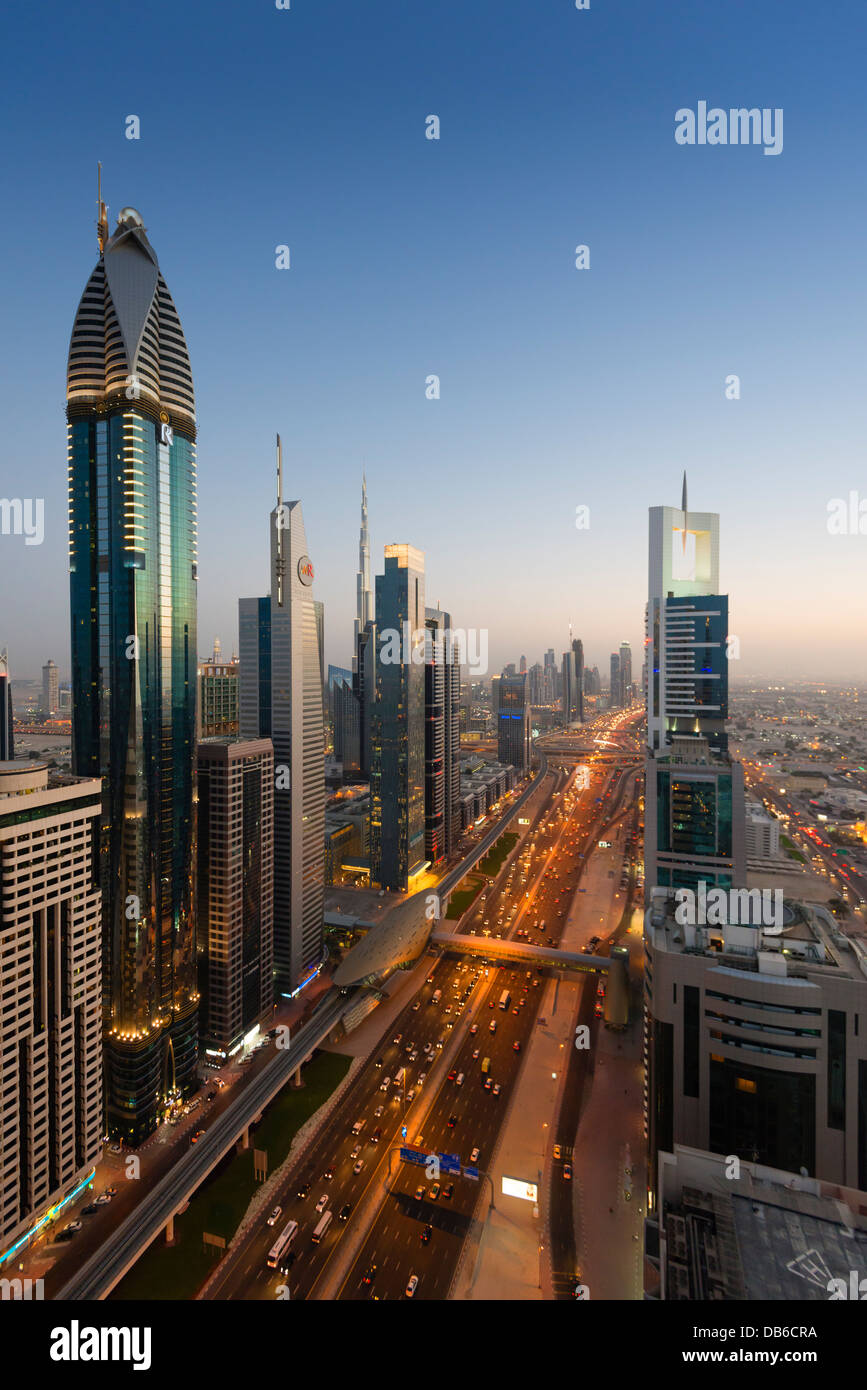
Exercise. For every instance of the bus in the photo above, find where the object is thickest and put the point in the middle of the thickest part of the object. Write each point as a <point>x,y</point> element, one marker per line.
<point>436,996</point>
<point>400,1078</point>
<point>505,999</point>
<point>324,1223</point>
<point>282,1244</point>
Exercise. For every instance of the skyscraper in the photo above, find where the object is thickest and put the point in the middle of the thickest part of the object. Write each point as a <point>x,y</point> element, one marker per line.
<point>442,737</point>
<point>51,1112</point>
<point>218,697</point>
<point>625,674</point>
<point>236,889</point>
<point>132,561</point>
<point>281,699</point>
<point>512,715</point>
<point>50,689</point>
<point>578,679</point>
<point>364,646</point>
<point>694,809</point>
<point>397,774</point>
<point>7,739</point>
<point>615,687</point>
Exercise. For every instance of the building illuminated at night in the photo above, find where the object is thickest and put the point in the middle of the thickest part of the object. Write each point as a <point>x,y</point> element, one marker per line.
<point>132,561</point>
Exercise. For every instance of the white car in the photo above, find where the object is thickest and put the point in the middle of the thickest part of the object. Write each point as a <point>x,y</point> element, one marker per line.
<point>322,1204</point>
<point>359,1165</point>
<point>274,1217</point>
<point>378,1111</point>
<point>356,1151</point>
<point>422,1079</point>
<point>412,1286</point>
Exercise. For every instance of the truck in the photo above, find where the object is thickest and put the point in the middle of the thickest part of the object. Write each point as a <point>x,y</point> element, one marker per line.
<point>486,1065</point>
<point>400,1078</point>
<point>324,1222</point>
<point>436,996</point>
<point>505,999</point>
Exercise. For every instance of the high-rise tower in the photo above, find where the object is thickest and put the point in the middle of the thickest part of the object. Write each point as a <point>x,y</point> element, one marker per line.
<point>281,698</point>
<point>132,561</point>
<point>7,741</point>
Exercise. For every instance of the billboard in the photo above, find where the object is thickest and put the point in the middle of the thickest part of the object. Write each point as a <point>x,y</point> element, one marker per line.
<point>517,1187</point>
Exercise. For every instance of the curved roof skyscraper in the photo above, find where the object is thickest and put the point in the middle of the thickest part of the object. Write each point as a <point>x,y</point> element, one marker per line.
<point>132,560</point>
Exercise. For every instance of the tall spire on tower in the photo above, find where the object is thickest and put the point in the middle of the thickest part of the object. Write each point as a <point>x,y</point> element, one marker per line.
<point>683,509</point>
<point>364,593</point>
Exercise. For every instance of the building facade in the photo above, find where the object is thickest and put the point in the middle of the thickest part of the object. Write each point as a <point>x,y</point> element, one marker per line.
<point>281,699</point>
<point>442,737</point>
<point>218,698</point>
<point>133,573</point>
<point>51,1076</point>
<point>397,774</point>
<point>50,689</point>
<point>512,716</point>
<point>236,890</point>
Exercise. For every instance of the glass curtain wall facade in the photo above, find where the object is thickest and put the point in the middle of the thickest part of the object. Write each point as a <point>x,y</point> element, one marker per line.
<point>132,560</point>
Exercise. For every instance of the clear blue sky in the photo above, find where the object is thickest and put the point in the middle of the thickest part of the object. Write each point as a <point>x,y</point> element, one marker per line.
<point>410,257</point>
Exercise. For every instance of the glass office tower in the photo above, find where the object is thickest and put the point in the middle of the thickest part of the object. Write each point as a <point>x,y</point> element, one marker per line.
<point>397,774</point>
<point>132,561</point>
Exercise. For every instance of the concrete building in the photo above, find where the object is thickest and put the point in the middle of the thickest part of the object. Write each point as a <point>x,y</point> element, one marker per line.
<point>236,891</point>
<point>50,689</point>
<point>218,698</point>
<point>280,697</point>
<point>762,835</point>
<point>397,774</point>
<point>755,1040</point>
<point>51,1096</point>
<point>760,1234</point>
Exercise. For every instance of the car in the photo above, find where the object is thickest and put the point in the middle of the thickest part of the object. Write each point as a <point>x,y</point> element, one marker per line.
<point>410,1096</point>
<point>419,1193</point>
<point>358,1166</point>
<point>378,1063</point>
<point>322,1203</point>
<point>90,1210</point>
<point>212,1095</point>
<point>65,1234</point>
<point>378,1111</point>
<point>475,1054</point>
<point>516,1046</point>
<point>343,1214</point>
<point>426,1233</point>
<point>474,1156</point>
<point>397,1039</point>
<point>412,1286</point>
<point>492,1028</point>
<point>491,1004</point>
<point>474,1029</point>
<point>113,1149</point>
<point>599,1009</point>
<point>447,1011</point>
<point>304,1189</point>
<point>408,1049</point>
<point>434,1192</point>
<point>459,1079</point>
<point>453,1119</point>
<point>197,1136</point>
<point>369,1274</point>
<point>489,1081</point>
<point>516,1010</point>
<point>450,1024</point>
<point>328,1174</point>
<point>110,1192</point>
<point>386,1082</point>
<point>557,1150</point>
<point>356,1151</point>
<point>74,1226</point>
<point>567,1170</point>
<point>413,1056</point>
<point>104,1199</point>
<point>535,982</point>
<point>274,1217</point>
<point>376,1135</point>
<point>452,1074</point>
<point>448,1190</point>
<point>422,1078</point>
<point>497,1089</point>
<point>416,1006</point>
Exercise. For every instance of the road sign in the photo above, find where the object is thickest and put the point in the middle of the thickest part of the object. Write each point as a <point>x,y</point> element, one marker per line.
<point>472,1173</point>
<point>413,1156</point>
<point>450,1163</point>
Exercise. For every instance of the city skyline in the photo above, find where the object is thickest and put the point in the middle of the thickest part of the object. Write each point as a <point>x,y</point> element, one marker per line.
<point>583,384</point>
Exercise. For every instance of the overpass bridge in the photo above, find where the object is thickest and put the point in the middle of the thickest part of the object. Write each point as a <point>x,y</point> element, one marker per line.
<point>519,952</point>
<point>105,1268</point>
